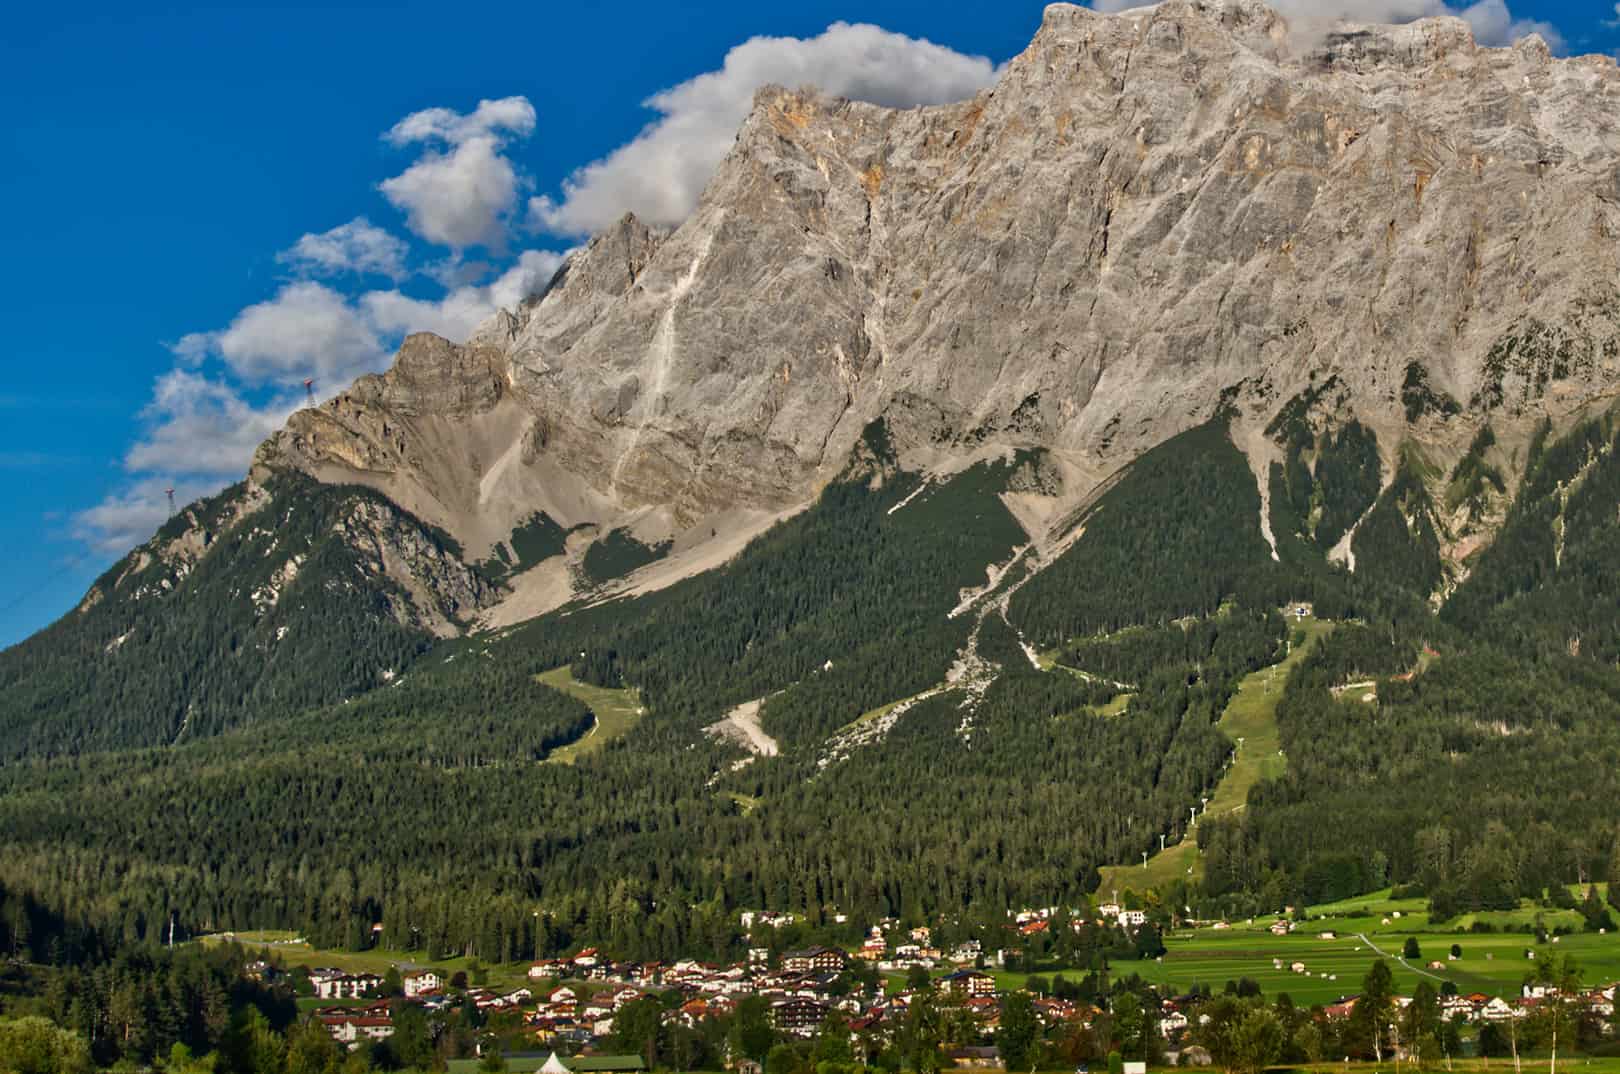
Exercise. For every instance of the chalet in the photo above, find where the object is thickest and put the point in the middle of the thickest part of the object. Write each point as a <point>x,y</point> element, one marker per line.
<point>798,1015</point>
<point>1453,1008</point>
<point>1054,1011</point>
<point>1497,1010</point>
<point>815,959</point>
<point>421,982</point>
<point>352,1027</point>
<point>1172,1023</point>
<point>346,985</point>
<point>1281,927</point>
<point>1340,1009</point>
<point>586,959</point>
<point>1132,919</point>
<point>970,983</point>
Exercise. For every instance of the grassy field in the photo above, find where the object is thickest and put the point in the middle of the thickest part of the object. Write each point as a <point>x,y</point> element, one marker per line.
<point>616,711</point>
<point>378,961</point>
<point>1367,929</point>
<point>1250,720</point>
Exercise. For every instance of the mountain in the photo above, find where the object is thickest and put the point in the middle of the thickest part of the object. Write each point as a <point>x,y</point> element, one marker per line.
<point>1151,216</point>
<point>1193,316</point>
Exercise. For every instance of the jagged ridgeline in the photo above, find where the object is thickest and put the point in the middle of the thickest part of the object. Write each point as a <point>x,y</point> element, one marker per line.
<point>257,602</point>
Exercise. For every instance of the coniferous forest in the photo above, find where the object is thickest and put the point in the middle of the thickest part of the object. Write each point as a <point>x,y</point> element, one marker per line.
<point>425,812</point>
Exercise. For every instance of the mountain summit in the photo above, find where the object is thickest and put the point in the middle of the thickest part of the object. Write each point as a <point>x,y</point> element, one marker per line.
<point>1152,216</point>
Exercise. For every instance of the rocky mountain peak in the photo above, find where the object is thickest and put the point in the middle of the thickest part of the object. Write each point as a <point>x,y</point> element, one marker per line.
<point>1153,216</point>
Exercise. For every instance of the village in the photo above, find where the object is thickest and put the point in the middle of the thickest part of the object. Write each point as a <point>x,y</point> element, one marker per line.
<point>568,1006</point>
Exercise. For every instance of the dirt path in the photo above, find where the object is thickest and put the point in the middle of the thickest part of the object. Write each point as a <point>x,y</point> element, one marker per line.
<point>1362,936</point>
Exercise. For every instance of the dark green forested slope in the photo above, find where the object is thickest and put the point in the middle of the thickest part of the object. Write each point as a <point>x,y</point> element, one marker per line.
<point>1486,767</point>
<point>1397,544</point>
<point>1550,581</point>
<point>426,805</point>
<point>848,582</point>
<point>1176,535</point>
<point>164,645</point>
<point>1483,778</point>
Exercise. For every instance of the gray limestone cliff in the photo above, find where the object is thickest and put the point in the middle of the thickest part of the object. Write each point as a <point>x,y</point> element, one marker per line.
<point>1151,217</point>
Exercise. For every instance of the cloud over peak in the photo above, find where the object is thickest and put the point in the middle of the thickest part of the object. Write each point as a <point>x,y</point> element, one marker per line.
<point>1491,21</point>
<point>660,174</point>
<point>463,194</point>
<point>356,247</point>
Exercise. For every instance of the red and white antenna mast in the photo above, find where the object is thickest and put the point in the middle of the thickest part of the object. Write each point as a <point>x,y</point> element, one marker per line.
<point>170,493</point>
<point>309,389</point>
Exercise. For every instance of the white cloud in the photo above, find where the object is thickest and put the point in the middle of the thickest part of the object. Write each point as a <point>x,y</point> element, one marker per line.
<point>1491,21</point>
<point>1614,22</point>
<point>358,247</point>
<point>514,114</point>
<point>126,518</point>
<point>306,330</point>
<point>456,314</point>
<point>660,174</point>
<point>195,425</point>
<point>463,195</point>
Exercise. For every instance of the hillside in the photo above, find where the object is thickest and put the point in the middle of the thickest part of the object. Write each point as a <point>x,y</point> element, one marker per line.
<point>978,450</point>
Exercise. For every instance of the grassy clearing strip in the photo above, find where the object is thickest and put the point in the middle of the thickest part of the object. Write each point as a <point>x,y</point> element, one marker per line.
<point>1250,720</point>
<point>616,711</point>
<point>377,960</point>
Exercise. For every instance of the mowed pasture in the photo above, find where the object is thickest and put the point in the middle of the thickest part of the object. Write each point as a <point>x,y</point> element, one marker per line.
<point>615,712</point>
<point>1494,963</point>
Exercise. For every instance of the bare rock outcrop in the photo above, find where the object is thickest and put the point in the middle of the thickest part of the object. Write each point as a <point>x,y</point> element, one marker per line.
<point>1153,215</point>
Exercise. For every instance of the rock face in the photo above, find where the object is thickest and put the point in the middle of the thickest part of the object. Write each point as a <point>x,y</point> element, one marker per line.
<point>1151,216</point>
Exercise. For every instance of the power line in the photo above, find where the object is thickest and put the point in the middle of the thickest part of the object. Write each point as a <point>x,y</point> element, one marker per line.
<point>47,581</point>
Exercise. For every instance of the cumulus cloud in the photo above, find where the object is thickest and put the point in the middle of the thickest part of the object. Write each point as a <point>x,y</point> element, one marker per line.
<point>306,330</point>
<point>196,425</point>
<point>512,114</point>
<point>356,247</point>
<point>660,174</point>
<point>1491,21</point>
<point>461,310</point>
<point>463,188</point>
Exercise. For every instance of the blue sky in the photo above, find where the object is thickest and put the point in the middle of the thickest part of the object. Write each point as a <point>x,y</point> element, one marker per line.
<point>201,208</point>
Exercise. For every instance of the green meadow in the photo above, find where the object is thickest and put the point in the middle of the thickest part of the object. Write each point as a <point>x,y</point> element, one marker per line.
<point>616,711</point>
